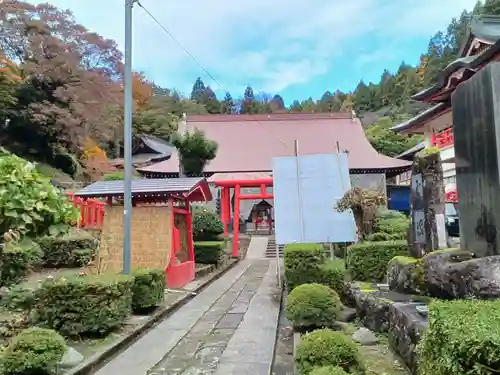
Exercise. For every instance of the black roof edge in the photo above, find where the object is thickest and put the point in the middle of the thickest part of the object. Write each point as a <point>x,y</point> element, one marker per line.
<point>422,116</point>
<point>454,66</point>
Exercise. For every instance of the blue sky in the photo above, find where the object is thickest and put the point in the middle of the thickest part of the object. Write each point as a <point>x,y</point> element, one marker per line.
<point>292,47</point>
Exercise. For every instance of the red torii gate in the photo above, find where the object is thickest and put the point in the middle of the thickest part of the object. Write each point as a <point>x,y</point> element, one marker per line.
<point>226,186</point>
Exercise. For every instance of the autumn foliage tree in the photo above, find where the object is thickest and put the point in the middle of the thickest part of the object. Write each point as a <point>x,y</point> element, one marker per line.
<point>70,80</point>
<point>142,91</point>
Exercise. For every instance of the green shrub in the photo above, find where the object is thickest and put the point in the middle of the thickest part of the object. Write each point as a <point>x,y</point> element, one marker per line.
<point>208,252</point>
<point>328,370</point>
<point>148,290</point>
<point>383,236</point>
<point>313,306</point>
<point>84,305</point>
<point>367,261</point>
<point>75,249</point>
<point>19,298</point>
<point>34,351</point>
<point>384,213</point>
<point>324,347</point>
<point>18,259</point>
<point>207,225</point>
<point>463,338</point>
<point>392,225</point>
<point>303,263</point>
<point>333,274</point>
<point>29,203</point>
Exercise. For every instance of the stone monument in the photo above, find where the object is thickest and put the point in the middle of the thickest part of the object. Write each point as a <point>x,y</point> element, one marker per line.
<point>476,122</point>
<point>427,230</point>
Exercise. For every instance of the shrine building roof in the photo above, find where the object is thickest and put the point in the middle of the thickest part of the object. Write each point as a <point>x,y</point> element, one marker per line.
<point>193,188</point>
<point>248,143</point>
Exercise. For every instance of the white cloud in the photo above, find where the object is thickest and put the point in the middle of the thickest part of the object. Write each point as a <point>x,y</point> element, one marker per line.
<point>272,44</point>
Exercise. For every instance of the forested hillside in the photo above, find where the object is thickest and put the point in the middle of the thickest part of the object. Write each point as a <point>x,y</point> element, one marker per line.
<point>61,91</point>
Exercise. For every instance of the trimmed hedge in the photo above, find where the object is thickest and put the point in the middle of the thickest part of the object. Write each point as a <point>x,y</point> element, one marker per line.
<point>324,347</point>
<point>392,225</point>
<point>148,290</point>
<point>328,370</point>
<point>33,351</point>
<point>463,338</point>
<point>76,249</point>
<point>367,261</point>
<point>18,259</point>
<point>209,252</point>
<point>333,274</point>
<point>83,305</point>
<point>383,236</point>
<point>303,263</point>
<point>313,305</point>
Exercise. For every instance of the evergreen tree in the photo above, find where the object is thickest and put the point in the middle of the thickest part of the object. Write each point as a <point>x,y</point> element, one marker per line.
<point>308,106</point>
<point>491,7</point>
<point>277,103</point>
<point>227,105</point>
<point>248,105</point>
<point>296,106</point>
<point>198,90</point>
<point>362,98</point>
<point>209,100</point>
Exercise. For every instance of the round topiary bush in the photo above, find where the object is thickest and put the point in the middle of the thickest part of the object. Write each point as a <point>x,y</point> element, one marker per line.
<point>325,347</point>
<point>328,370</point>
<point>312,306</point>
<point>34,351</point>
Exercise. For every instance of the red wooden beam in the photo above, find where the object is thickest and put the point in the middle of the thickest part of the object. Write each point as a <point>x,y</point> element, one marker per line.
<point>257,196</point>
<point>245,183</point>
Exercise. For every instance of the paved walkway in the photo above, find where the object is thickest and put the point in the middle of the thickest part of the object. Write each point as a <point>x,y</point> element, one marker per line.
<point>257,247</point>
<point>229,328</point>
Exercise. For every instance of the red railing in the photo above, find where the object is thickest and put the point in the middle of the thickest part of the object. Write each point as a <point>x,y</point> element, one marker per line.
<point>91,211</point>
<point>443,139</point>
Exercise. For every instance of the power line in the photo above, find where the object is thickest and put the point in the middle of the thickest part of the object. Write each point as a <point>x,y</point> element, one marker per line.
<point>202,66</point>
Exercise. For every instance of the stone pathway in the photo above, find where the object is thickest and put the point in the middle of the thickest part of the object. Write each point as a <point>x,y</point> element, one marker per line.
<point>257,248</point>
<point>229,328</point>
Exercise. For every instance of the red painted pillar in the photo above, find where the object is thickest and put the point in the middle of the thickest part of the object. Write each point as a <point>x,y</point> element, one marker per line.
<point>236,221</point>
<point>189,223</point>
<point>224,209</point>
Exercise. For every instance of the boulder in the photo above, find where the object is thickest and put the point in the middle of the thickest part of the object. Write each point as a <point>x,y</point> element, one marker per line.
<point>71,358</point>
<point>347,315</point>
<point>403,275</point>
<point>365,337</point>
<point>372,310</point>
<point>406,327</point>
<point>448,274</point>
<point>456,274</point>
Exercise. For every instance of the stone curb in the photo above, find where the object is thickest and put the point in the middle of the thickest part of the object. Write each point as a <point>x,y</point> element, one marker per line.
<point>282,291</point>
<point>96,361</point>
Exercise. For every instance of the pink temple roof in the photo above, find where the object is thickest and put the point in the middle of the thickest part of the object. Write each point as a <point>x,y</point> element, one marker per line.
<point>248,143</point>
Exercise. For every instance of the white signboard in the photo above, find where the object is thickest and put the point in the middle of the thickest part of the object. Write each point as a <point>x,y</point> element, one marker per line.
<point>306,191</point>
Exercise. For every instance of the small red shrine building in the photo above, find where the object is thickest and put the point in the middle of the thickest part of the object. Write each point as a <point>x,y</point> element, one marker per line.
<point>162,236</point>
<point>248,143</point>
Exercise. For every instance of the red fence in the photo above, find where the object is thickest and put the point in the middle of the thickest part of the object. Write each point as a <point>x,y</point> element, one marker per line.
<point>443,139</point>
<point>91,211</point>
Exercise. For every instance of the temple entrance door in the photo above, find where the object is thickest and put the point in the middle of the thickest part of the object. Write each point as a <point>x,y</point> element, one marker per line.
<point>262,217</point>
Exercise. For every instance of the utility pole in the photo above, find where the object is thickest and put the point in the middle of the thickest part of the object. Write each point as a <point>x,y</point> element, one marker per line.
<point>127,139</point>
